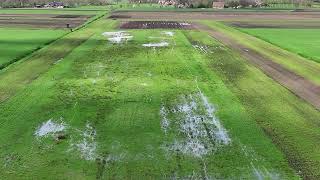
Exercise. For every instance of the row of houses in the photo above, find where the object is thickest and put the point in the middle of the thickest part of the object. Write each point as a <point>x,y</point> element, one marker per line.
<point>53,4</point>
<point>217,4</point>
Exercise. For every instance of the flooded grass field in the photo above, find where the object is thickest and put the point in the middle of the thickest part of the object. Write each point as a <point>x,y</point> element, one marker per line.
<point>131,104</point>
<point>157,100</point>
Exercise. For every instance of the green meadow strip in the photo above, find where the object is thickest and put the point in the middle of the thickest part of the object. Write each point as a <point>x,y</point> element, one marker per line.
<point>291,61</point>
<point>291,123</point>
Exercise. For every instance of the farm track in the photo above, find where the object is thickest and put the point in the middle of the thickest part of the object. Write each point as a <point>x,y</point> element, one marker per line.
<point>295,83</point>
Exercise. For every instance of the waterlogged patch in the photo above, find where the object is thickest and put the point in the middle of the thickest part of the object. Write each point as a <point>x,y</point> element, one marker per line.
<point>161,44</point>
<point>86,145</point>
<point>264,173</point>
<point>149,74</point>
<point>198,131</point>
<point>50,127</point>
<point>118,37</point>
<point>202,48</point>
<point>258,171</point>
<point>164,120</point>
<point>168,33</point>
<point>82,141</point>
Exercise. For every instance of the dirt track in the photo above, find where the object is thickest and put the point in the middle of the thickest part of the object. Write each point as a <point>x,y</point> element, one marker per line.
<point>295,83</point>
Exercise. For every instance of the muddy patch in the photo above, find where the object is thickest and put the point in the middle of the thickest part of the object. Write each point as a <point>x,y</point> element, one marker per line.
<point>197,130</point>
<point>155,25</point>
<point>118,37</point>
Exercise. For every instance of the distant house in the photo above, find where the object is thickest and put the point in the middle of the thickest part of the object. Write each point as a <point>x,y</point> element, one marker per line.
<point>54,4</point>
<point>218,4</point>
<point>167,2</point>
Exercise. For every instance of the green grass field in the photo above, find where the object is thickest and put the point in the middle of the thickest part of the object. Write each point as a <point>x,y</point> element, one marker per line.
<point>16,43</point>
<point>120,100</point>
<point>304,42</point>
<point>86,107</point>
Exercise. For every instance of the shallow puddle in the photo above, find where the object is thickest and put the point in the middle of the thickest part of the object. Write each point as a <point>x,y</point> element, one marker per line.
<point>118,36</point>
<point>87,145</point>
<point>161,44</point>
<point>194,118</point>
<point>50,128</point>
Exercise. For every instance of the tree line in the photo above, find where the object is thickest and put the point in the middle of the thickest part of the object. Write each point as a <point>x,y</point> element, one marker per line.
<point>205,3</point>
<point>33,3</point>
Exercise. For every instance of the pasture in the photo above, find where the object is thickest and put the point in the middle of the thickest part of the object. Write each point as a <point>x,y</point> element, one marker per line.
<point>16,43</point>
<point>304,42</point>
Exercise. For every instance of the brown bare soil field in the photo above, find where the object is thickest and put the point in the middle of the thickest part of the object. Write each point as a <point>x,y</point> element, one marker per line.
<point>41,21</point>
<point>295,83</point>
<point>119,17</point>
<point>155,25</point>
<point>219,15</point>
<point>276,24</point>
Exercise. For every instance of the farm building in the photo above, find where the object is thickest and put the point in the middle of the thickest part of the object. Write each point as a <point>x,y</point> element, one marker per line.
<point>219,4</point>
<point>54,4</point>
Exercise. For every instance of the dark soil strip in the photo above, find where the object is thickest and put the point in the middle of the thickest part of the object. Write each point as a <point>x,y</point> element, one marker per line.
<point>297,84</point>
<point>67,16</point>
<point>297,25</point>
<point>155,25</point>
<point>221,15</point>
<point>119,17</point>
